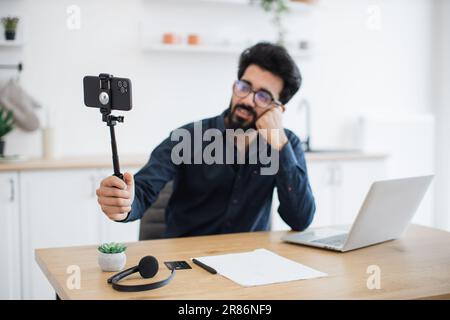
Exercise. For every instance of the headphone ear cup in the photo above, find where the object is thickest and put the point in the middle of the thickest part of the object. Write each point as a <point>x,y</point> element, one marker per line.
<point>148,267</point>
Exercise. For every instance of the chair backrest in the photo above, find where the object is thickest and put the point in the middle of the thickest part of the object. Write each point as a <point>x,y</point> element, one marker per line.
<point>153,222</point>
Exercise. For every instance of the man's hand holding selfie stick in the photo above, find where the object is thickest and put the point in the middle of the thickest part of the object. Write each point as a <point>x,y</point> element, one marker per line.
<point>116,193</point>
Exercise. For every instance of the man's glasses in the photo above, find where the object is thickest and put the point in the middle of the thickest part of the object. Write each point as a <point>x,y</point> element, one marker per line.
<point>261,98</point>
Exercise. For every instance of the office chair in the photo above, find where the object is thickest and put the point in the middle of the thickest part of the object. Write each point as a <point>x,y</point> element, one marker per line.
<point>153,222</point>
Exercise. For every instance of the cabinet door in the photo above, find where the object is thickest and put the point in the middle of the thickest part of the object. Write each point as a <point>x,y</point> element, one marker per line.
<point>111,230</point>
<point>321,179</point>
<point>352,181</point>
<point>10,282</point>
<point>58,209</point>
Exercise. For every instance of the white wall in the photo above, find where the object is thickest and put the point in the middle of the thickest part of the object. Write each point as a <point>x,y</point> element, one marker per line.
<point>442,106</point>
<point>365,66</point>
<point>357,65</point>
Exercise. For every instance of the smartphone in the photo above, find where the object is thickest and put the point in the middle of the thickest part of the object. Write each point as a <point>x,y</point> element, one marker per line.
<point>115,94</point>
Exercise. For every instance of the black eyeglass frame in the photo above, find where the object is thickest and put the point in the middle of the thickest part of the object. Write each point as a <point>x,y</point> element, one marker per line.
<point>274,101</point>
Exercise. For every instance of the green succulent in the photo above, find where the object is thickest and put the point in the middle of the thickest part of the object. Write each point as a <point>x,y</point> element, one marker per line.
<point>112,247</point>
<point>6,122</point>
<point>10,23</point>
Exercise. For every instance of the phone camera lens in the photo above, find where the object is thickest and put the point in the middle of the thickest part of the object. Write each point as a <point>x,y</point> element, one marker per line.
<point>125,84</point>
<point>122,89</point>
<point>103,98</point>
<point>119,84</point>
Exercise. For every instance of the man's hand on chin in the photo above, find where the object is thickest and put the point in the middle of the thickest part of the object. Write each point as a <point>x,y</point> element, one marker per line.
<point>272,122</point>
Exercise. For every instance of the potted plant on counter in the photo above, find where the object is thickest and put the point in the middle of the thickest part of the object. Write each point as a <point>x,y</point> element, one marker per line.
<point>6,125</point>
<point>112,256</point>
<point>10,26</point>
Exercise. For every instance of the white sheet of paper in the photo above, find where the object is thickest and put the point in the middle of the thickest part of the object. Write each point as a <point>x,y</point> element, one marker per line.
<point>259,267</point>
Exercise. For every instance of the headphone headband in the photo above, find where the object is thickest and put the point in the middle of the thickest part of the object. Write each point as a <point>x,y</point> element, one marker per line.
<point>140,287</point>
<point>114,280</point>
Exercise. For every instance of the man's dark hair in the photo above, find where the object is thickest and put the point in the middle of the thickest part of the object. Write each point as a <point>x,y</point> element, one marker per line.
<point>276,60</point>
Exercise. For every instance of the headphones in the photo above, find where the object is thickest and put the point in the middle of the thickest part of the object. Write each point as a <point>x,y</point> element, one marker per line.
<point>147,267</point>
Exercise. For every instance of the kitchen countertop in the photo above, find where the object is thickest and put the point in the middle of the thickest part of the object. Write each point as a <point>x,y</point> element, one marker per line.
<point>128,161</point>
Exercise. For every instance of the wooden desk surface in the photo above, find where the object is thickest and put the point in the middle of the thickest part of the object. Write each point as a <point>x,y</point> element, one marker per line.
<point>413,267</point>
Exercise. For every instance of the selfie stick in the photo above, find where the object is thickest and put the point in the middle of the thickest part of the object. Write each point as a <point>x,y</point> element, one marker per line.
<point>111,120</point>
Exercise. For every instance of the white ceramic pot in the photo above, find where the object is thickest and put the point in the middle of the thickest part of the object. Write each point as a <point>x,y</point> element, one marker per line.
<point>112,261</point>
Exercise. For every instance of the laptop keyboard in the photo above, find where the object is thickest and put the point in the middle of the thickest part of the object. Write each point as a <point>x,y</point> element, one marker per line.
<point>335,241</point>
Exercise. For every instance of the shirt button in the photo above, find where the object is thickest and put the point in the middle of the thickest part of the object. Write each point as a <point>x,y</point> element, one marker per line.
<point>235,201</point>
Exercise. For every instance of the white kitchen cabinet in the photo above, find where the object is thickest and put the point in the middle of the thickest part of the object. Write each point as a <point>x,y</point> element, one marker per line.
<point>321,175</point>
<point>10,282</point>
<point>339,188</point>
<point>59,208</point>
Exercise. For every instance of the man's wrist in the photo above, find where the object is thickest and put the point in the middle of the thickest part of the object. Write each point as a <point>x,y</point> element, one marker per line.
<point>280,141</point>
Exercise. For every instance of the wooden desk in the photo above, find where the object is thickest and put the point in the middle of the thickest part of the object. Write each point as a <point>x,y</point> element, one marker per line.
<point>416,266</point>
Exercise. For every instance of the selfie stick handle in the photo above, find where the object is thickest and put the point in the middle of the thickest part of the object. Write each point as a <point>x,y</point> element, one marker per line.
<point>115,157</point>
<point>111,121</point>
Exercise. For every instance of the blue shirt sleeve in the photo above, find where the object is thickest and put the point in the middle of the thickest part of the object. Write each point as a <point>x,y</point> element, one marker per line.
<point>151,179</point>
<point>297,206</point>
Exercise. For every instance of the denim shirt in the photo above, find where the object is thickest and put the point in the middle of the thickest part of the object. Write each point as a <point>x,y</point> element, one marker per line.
<point>224,198</point>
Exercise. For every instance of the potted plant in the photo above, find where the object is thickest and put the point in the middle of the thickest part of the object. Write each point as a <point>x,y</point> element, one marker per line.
<point>112,256</point>
<point>278,7</point>
<point>6,125</point>
<point>10,25</point>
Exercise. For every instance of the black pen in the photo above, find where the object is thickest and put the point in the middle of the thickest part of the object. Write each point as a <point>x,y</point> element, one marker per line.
<point>204,266</point>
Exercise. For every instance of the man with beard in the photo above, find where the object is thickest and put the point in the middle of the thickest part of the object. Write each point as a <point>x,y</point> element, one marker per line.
<point>226,198</point>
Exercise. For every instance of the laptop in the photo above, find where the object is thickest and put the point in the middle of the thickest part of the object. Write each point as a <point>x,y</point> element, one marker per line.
<point>384,215</point>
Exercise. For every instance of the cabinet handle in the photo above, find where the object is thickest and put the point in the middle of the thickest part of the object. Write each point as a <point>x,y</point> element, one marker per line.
<point>338,175</point>
<point>12,194</point>
<point>93,186</point>
<point>335,175</point>
<point>331,175</point>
